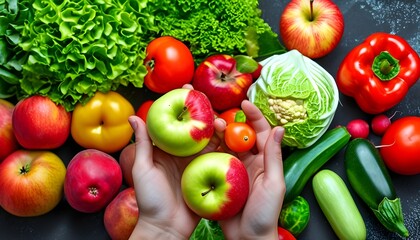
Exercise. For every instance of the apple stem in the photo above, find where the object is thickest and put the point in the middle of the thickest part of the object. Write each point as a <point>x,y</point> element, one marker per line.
<point>180,116</point>
<point>311,2</point>
<point>24,169</point>
<point>205,193</point>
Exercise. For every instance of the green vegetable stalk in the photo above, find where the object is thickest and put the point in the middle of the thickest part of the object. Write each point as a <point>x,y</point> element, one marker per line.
<point>295,92</point>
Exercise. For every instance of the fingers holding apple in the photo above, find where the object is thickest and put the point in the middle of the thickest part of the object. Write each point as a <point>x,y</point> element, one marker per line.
<point>215,185</point>
<point>181,122</point>
<point>313,27</point>
<point>31,182</point>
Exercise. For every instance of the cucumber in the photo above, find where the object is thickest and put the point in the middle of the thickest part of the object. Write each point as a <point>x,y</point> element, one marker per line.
<point>369,178</point>
<point>338,206</point>
<point>302,164</point>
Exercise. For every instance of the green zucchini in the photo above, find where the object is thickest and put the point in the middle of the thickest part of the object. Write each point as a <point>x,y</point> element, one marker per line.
<point>369,178</point>
<point>338,206</point>
<point>302,164</point>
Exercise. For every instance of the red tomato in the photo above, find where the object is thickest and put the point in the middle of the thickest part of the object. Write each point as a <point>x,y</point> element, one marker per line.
<point>229,115</point>
<point>284,234</point>
<point>144,109</point>
<point>169,63</point>
<point>400,146</point>
<point>240,137</point>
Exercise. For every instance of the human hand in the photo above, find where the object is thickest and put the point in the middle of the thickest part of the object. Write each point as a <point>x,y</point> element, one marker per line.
<point>259,218</point>
<point>157,176</point>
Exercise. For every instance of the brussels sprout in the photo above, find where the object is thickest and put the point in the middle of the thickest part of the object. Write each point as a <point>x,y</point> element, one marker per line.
<point>295,215</point>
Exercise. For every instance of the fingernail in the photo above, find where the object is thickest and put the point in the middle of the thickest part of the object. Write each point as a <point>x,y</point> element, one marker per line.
<point>278,134</point>
<point>133,123</point>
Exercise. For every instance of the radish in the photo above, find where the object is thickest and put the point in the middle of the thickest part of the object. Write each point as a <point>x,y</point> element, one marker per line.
<point>380,123</point>
<point>358,128</point>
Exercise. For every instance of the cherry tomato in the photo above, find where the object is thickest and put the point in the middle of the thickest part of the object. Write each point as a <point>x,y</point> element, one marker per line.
<point>240,137</point>
<point>284,234</point>
<point>144,109</point>
<point>400,146</point>
<point>229,115</point>
<point>169,64</point>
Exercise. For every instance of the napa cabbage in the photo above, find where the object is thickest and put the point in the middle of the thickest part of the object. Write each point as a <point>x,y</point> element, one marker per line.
<point>295,92</point>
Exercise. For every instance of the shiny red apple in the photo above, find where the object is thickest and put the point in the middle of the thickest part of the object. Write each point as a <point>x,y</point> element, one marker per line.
<point>31,182</point>
<point>121,215</point>
<point>8,140</point>
<point>39,123</point>
<point>93,179</point>
<point>217,77</point>
<point>313,27</point>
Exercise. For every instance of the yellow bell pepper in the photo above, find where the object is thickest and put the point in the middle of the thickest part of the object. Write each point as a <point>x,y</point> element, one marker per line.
<point>102,123</point>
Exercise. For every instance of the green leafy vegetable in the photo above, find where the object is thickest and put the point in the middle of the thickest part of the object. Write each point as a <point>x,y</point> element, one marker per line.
<point>222,26</point>
<point>75,48</point>
<point>295,92</point>
<point>68,50</point>
<point>207,230</point>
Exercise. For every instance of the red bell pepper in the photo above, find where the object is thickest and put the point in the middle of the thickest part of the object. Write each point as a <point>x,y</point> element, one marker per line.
<point>379,72</point>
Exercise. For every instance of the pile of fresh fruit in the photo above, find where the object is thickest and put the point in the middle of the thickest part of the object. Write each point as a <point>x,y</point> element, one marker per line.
<point>290,89</point>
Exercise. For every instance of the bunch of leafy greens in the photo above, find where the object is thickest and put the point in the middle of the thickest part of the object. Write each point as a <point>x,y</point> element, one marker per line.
<point>68,50</point>
<point>221,26</point>
<point>71,49</point>
<point>297,93</point>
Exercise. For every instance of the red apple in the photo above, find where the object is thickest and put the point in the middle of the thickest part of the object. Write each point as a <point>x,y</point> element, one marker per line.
<point>223,84</point>
<point>31,182</point>
<point>313,27</point>
<point>126,161</point>
<point>93,179</point>
<point>8,140</point>
<point>215,185</point>
<point>39,123</point>
<point>181,122</point>
<point>121,215</point>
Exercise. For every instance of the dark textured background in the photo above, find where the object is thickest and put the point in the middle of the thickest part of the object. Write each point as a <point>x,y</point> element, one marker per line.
<point>361,19</point>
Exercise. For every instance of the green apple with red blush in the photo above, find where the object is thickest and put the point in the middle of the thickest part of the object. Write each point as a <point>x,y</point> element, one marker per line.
<point>180,122</point>
<point>215,185</point>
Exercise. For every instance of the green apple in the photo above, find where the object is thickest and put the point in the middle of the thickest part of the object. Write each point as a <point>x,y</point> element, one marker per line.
<point>215,185</point>
<point>181,122</point>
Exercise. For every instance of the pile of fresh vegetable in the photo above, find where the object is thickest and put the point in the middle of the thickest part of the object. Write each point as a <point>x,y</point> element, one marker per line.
<point>70,50</point>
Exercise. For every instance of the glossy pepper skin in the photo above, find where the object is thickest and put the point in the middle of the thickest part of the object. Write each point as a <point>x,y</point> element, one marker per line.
<point>102,123</point>
<point>379,72</point>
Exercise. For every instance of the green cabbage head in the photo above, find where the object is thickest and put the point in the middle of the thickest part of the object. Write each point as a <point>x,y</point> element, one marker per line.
<point>295,92</point>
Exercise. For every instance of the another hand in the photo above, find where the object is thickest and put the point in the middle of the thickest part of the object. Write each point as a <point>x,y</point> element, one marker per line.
<point>163,213</point>
<point>259,218</point>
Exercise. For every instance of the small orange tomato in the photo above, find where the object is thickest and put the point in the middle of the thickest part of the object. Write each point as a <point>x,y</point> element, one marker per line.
<point>240,137</point>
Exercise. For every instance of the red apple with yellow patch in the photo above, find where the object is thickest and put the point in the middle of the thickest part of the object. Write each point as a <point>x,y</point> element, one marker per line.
<point>31,182</point>
<point>121,215</point>
<point>313,27</point>
<point>225,86</point>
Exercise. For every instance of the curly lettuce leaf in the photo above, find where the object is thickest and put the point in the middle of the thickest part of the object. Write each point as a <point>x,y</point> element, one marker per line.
<point>75,48</point>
